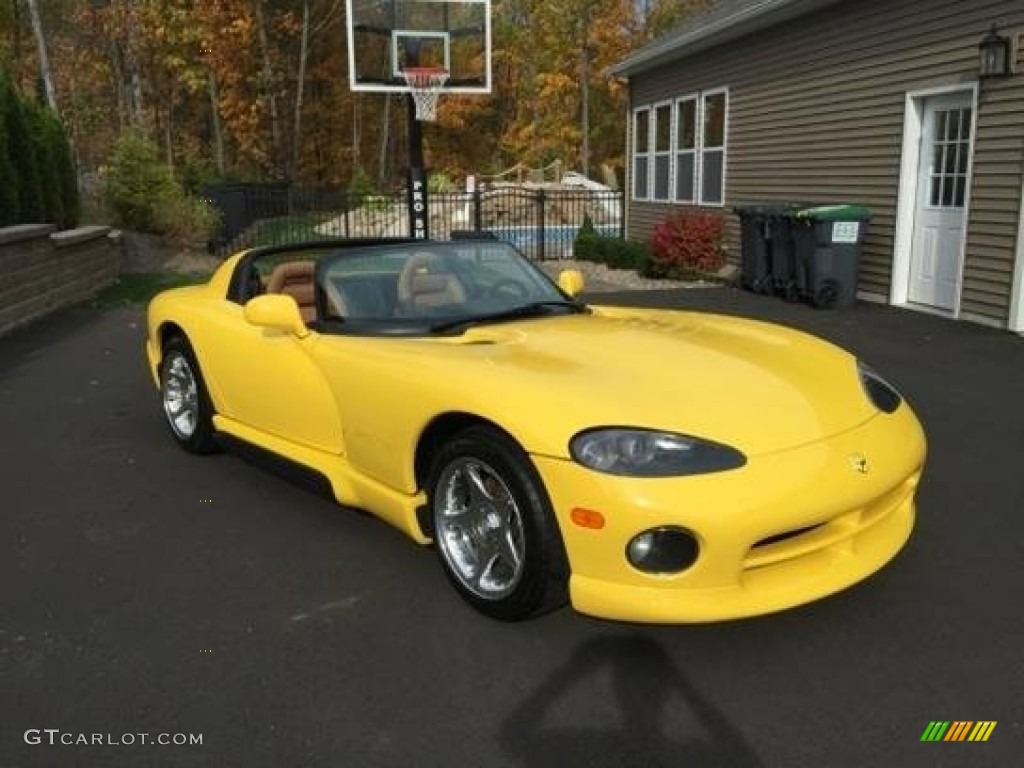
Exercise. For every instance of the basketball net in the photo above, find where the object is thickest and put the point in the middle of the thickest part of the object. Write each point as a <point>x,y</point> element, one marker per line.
<point>425,85</point>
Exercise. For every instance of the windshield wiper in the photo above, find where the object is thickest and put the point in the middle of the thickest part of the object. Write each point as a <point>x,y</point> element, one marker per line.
<point>533,309</point>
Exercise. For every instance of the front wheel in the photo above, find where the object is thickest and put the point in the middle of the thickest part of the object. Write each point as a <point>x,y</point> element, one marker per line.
<point>494,528</point>
<point>185,400</point>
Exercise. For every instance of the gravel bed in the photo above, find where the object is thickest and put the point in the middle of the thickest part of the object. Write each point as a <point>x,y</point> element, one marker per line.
<point>600,279</point>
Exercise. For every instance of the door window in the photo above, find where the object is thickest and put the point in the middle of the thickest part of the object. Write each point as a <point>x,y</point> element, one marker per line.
<point>947,182</point>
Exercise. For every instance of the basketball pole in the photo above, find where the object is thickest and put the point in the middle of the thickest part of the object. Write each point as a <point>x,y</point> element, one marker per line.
<point>419,211</point>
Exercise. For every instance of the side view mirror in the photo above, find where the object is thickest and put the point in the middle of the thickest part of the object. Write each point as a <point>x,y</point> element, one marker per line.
<point>571,281</point>
<point>277,312</point>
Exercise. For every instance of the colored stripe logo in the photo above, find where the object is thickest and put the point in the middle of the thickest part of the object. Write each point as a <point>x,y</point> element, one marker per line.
<point>958,730</point>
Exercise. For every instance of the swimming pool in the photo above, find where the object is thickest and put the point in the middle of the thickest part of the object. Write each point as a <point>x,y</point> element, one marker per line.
<point>559,234</point>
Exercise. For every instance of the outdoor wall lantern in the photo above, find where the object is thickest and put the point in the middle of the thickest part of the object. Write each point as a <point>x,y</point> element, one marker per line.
<point>994,55</point>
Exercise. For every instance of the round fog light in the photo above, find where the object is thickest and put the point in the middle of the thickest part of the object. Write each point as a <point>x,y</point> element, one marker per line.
<point>662,550</point>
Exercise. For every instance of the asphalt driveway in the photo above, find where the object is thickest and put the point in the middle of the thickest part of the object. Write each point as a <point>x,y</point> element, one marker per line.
<point>145,591</point>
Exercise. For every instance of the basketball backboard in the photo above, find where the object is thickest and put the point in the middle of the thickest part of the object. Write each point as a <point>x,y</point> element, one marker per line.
<point>386,37</point>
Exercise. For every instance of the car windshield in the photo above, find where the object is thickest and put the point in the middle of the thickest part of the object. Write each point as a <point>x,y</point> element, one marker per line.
<point>432,288</point>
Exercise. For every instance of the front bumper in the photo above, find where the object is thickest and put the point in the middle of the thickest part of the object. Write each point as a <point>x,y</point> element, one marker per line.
<point>786,529</point>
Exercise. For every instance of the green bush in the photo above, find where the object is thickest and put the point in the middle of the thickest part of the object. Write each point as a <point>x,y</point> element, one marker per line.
<point>586,246</point>
<point>614,252</point>
<point>136,184</point>
<point>187,220</point>
<point>142,194</point>
<point>630,254</point>
<point>440,183</point>
<point>361,185</point>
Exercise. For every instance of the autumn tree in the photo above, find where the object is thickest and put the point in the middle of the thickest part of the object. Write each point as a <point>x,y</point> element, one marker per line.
<point>258,89</point>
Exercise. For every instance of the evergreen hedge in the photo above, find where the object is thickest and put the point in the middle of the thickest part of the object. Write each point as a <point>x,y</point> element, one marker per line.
<point>37,175</point>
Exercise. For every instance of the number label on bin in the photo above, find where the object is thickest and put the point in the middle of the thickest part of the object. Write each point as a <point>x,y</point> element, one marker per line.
<point>845,231</point>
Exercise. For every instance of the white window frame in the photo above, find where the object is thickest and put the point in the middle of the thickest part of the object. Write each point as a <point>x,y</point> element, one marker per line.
<point>676,152</point>
<point>648,156</point>
<point>724,149</point>
<point>700,99</point>
<point>665,153</point>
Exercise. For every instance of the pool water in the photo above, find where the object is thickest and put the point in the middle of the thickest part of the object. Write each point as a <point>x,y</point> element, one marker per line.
<point>561,234</point>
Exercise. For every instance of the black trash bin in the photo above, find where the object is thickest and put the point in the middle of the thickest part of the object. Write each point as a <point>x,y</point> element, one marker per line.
<point>828,240</point>
<point>755,270</point>
<point>782,251</point>
<point>768,255</point>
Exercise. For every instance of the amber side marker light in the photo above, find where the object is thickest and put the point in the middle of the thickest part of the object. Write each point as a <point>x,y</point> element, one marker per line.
<point>587,518</point>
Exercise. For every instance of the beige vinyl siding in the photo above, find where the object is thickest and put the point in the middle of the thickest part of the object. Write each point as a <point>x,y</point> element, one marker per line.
<point>816,113</point>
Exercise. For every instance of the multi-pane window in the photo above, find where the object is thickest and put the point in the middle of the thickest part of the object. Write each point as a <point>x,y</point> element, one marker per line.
<point>662,151</point>
<point>948,176</point>
<point>641,153</point>
<point>679,150</point>
<point>712,172</point>
<point>686,150</point>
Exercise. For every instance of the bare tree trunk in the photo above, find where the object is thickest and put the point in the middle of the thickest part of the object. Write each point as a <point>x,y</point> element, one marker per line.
<point>218,130</point>
<point>268,85</point>
<point>300,89</point>
<point>357,132</point>
<point>585,110</point>
<point>44,59</point>
<point>118,67</point>
<point>16,14</point>
<point>136,91</point>
<point>585,93</point>
<point>385,140</point>
<point>169,130</point>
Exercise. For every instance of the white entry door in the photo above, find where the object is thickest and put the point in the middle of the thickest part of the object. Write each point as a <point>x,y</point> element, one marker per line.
<point>940,217</point>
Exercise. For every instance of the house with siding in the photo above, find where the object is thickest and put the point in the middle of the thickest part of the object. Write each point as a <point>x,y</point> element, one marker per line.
<point>877,102</point>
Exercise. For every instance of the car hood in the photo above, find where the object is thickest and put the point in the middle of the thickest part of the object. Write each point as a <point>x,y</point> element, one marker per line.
<point>757,387</point>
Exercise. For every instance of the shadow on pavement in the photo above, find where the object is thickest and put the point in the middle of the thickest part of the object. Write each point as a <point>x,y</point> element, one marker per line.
<point>25,343</point>
<point>650,697</point>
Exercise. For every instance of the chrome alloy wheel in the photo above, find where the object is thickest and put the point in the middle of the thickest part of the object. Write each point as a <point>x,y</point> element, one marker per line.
<point>180,395</point>
<point>479,528</point>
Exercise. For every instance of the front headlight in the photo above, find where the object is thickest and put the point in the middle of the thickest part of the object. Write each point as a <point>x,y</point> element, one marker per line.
<point>649,453</point>
<point>879,391</point>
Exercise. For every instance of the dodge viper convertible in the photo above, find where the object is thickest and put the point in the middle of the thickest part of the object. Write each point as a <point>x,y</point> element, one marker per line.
<point>644,465</point>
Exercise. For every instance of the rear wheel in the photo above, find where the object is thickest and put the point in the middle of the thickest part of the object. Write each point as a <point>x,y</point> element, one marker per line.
<point>828,295</point>
<point>185,400</point>
<point>494,528</point>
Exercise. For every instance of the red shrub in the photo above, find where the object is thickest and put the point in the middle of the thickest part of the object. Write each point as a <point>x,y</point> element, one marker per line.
<point>687,242</point>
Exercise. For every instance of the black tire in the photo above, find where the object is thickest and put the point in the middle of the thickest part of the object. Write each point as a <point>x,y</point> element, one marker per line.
<point>510,515</point>
<point>187,409</point>
<point>828,295</point>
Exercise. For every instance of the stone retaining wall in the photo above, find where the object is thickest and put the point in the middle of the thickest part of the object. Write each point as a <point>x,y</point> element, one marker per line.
<point>42,270</point>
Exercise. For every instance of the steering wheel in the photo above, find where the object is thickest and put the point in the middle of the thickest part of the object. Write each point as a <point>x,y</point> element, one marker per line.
<point>508,288</point>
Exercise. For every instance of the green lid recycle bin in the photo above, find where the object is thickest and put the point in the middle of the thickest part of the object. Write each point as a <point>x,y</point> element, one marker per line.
<point>828,239</point>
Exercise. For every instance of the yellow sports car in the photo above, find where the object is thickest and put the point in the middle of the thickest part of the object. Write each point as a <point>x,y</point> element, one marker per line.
<point>646,465</point>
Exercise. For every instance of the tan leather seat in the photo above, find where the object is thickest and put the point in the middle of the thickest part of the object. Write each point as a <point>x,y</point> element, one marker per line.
<point>422,285</point>
<point>295,279</point>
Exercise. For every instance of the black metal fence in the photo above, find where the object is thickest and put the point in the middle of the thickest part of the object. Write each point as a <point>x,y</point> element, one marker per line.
<point>540,221</point>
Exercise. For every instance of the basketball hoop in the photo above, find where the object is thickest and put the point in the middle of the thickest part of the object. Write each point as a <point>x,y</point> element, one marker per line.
<point>425,84</point>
